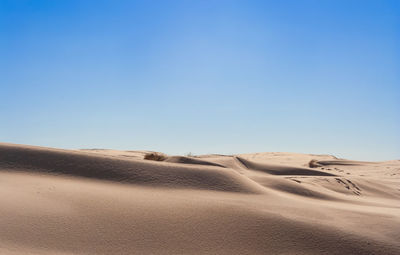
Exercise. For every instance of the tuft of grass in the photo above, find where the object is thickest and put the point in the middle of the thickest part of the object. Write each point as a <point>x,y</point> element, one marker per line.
<point>156,156</point>
<point>313,163</point>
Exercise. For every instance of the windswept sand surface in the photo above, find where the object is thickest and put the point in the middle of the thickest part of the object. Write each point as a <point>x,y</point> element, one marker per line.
<point>56,201</point>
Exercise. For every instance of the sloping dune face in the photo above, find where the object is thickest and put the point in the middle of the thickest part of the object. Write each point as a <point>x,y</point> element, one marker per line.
<point>142,172</point>
<point>114,202</point>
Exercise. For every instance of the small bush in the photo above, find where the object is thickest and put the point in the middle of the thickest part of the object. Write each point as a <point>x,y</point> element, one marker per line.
<point>313,163</point>
<point>155,156</point>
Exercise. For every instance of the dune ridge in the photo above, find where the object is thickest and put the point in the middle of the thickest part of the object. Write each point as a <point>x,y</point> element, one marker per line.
<point>19,158</point>
<point>192,161</point>
<point>281,170</point>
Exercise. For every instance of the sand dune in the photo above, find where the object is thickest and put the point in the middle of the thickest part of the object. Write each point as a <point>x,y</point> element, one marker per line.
<point>114,202</point>
<point>18,158</point>
<point>281,169</point>
<point>192,161</point>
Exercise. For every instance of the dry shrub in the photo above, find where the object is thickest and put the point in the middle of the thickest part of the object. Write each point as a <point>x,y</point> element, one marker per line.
<point>156,156</point>
<point>313,163</point>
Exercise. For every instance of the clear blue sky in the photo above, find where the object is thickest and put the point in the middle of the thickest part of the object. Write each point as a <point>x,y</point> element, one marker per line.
<point>203,76</point>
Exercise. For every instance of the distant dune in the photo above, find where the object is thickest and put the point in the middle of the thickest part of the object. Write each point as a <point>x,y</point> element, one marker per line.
<point>98,201</point>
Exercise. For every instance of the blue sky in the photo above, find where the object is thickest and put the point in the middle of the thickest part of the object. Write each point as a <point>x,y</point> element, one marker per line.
<point>203,76</point>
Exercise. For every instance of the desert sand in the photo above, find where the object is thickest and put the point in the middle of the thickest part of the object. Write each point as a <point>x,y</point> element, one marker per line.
<point>95,201</point>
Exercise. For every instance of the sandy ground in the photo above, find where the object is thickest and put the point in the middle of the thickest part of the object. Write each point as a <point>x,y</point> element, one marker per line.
<point>114,202</point>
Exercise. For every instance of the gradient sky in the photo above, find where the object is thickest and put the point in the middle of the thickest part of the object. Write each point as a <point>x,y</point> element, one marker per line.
<point>203,76</point>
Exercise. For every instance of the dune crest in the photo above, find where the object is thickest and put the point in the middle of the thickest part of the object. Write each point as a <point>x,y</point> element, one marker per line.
<point>143,172</point>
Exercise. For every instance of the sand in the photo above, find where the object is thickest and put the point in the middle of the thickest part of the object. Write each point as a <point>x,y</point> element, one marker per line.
<point>97,201</point>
